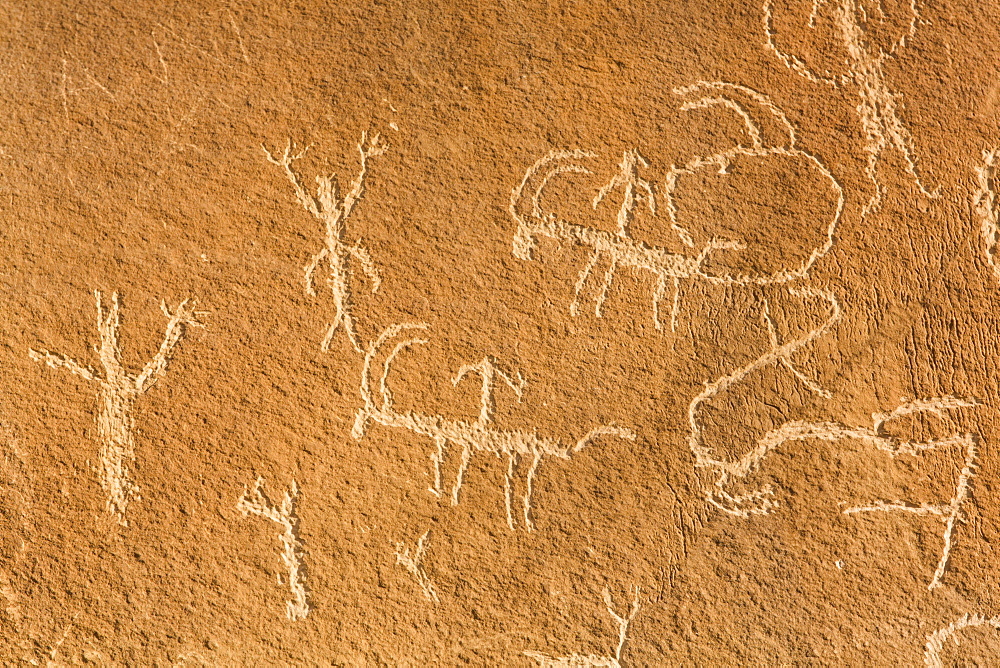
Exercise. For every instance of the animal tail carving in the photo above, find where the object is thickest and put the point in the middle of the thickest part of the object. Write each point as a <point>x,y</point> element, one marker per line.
<point>525,199</point>
<point>604,430</point>
<point>365,413</point>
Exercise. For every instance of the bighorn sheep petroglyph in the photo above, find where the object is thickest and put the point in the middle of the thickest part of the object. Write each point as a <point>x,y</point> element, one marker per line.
<point>620,249</point>
<point>473,436</point>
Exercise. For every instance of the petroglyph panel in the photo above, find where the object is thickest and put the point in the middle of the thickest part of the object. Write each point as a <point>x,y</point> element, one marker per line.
<point>507,308</point>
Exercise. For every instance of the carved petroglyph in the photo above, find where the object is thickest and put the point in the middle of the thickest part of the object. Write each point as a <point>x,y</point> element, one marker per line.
<point>986,204</point>
<point>636,189</point>
<point>192,658</point>
<point>878,107</point>
<point>785,358</point>
<point>119,390</point>
<point>619,249</point>
<point>414,564</point>
<point>47,654</point>
<point>12,601</point>
<point>757,502</point>
<point>474,436</point>
<point>592,660</point>
<point>333,212</point>
<point>55,647</point>
<point>936,640</point>
<point>950,513</point>
<point>284,516</point>
<point>722,94</point>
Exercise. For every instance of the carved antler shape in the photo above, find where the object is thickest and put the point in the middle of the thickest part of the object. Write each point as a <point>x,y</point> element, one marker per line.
<point>592,660</point>
<point>636,189</point>
<point>488,369</point>
<point>414,564</point>
<point>284,515</point>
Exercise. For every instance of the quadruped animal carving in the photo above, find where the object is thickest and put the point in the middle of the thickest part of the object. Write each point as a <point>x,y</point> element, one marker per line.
<point>620,249</point>
<point>118,392</point>
<point>878,106</point>
<point>473,436</point>
<point>759,502</point>
<point>950,513</point>
<point>593,660</point>
<point>333,212</point>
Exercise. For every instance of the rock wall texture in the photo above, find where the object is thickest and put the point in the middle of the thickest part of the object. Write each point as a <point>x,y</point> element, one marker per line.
<point>558,334</point>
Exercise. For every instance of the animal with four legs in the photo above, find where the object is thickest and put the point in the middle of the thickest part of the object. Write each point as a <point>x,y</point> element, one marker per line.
<point>472,436</point>
<point>620,249</point>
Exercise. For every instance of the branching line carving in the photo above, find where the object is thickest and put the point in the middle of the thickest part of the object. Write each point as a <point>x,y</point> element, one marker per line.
<point>620,249</point>
<point>878,107</point>
<point>258,503</point>
<point>118,392</point>
<point>592,660</point>
<point>635,189</point>
<point>936,640</point>
<point>986,204</point>
<point>950,513</point>
<point>414,564</point>
<point>474,436</point>
<point>333,212</point>
<point>757,502</point>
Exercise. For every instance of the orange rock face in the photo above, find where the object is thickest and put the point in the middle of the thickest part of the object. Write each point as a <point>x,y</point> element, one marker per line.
<point>557,334</point>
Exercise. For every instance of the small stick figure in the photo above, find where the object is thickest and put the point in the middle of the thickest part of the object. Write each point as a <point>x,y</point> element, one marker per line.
<point>334,212</point>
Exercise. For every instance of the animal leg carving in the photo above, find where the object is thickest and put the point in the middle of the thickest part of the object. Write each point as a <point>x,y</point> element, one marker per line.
<point>609,276</point>
<point>462,468</point>
<point>508,488</point>
<point>574,308</point>
<point>438,459</point>
<point>527,496</point>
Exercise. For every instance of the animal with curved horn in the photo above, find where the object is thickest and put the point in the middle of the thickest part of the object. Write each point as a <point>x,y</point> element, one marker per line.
<point>472,436</point>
